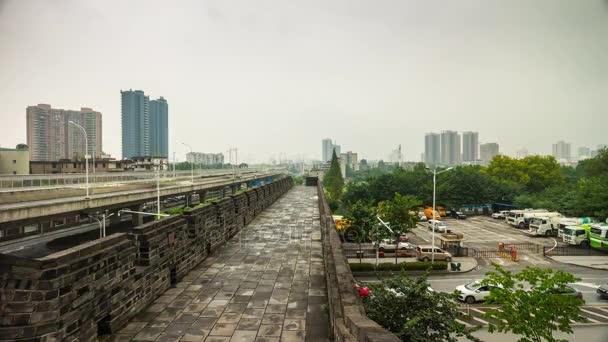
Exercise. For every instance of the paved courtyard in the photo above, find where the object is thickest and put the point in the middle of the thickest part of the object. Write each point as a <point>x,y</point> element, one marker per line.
<point>266,284</point>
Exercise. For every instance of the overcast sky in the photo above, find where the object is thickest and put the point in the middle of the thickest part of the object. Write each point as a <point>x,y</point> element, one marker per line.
<point>273,77</point>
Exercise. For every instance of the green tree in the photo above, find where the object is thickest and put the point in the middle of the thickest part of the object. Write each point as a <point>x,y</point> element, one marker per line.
<point>334,182</point>
<point>357,192</point>
<point>408,309</point>
<point>397,212</point>
<point>596,166</point>
<point>536,312</point>
<point>363,218</point>
<point>591,197</point>
<point>535,173</point>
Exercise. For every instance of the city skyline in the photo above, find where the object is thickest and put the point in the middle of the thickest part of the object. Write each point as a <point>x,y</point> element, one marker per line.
<point>486,83</point>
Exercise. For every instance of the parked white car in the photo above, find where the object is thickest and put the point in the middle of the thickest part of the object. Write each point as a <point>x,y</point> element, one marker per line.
<point>388,245</point>
<point>440,227</point>
<point>473,291</point>
<point>500,214</point>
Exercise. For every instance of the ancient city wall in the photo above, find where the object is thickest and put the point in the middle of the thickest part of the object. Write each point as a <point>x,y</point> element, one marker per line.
<point>96,287</point>
<point>347,315</point>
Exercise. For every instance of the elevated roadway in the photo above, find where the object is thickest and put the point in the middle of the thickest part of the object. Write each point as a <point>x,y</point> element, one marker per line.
<point>23,213</point>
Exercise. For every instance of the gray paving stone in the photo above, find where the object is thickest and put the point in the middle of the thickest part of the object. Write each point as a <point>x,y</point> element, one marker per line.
<point>266,284</point>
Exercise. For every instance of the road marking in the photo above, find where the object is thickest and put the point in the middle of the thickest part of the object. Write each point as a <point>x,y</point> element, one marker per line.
<point>591,285</point>
<point>606,311</point>
<point>593,313</point>
<point>464,323</point>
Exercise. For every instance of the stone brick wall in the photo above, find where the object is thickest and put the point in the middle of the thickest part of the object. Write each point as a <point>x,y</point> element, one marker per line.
<point>96,287</point>
<point>347,315</point>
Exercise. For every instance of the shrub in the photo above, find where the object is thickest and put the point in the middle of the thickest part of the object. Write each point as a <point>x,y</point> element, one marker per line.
<point>407,266</point>
<point>361,267</point>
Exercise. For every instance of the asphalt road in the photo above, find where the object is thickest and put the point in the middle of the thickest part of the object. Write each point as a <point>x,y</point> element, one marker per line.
<point>486,233</point>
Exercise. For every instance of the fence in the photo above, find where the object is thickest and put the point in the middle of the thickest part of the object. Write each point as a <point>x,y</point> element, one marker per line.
<point>571,251</point>
<point>527,246</point>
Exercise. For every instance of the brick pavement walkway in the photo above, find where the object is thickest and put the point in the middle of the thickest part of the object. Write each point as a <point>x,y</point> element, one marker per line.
<point>266,284</point>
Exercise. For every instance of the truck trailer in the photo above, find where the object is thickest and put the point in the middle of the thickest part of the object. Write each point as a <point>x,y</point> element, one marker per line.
<point>546,225</point>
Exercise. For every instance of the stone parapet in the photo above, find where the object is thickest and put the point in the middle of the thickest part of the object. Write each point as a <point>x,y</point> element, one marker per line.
<point>96,287</point>
<point>346,311</point>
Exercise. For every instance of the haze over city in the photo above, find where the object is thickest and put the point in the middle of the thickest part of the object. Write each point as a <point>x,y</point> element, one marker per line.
<point>273,77</point>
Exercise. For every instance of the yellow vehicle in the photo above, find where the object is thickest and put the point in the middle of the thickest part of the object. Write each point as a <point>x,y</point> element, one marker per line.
<point>441,211</point>
<point>344,228</point>
<point>428,212</point>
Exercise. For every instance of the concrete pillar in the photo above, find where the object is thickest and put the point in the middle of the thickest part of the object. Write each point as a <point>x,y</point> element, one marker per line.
<point>137,219</point>
<point>202,195</point>
<point>225,192</point>
<point>189,199</point>
<point>113,220</point>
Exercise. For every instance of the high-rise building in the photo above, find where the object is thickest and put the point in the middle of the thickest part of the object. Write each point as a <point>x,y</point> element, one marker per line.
<point>338,150</point>
<point>432,148</point>
<point>561,150</point>
<point>488,152</point>
<point>470,141</point>
<point>327,150</point>
<point>450,148</point>
<point>159,128</point>
<point>584,151</point>
<point>396,156</point>
<point>135,124</point>
<point>51,137</point>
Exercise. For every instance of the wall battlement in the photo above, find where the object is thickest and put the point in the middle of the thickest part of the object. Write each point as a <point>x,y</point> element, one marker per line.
<point>96,287</point>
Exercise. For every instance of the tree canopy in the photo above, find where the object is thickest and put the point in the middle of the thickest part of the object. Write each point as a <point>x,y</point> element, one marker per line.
<point>531,303</point>
<point>333,180</point>
<point>408,309</point>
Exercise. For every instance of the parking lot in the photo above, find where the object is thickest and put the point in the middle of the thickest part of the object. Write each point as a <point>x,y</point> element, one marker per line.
<point>483,231</point>
<point>595,315</point>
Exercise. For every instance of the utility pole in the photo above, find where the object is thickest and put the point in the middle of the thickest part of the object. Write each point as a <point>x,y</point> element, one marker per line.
<point>86,156</point>
<point>174,165</point>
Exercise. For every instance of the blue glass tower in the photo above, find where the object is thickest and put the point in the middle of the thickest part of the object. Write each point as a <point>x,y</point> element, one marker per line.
<point>135,124</point>
<point>159,128</point>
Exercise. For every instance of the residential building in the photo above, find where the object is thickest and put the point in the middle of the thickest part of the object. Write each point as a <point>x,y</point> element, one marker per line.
<point>470,142</point>
<point>147,163</point>
<point>50,136</point>
<point>205,158</point>
<point>432,148</point>
<point>396,155</point>
<point>15,161</point>
<point>488,152</point>
<point>561,150</point>
<point>338,150</point>
<point>349,159</point>
<point>135,124</point>
<point>78,166</point>
<point>159,128</point>
<point>450,148</point>
<point>327,150</point>
<point>584,151</point>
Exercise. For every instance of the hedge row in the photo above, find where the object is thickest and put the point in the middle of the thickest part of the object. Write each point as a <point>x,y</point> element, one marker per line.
<point>407,266</point>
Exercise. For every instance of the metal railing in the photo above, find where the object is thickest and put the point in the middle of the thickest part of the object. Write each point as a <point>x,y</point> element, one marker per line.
<point>49,181</point>
<point>571,251</point>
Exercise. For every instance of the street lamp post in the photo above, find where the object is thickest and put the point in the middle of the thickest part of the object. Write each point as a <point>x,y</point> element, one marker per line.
<point>191,163</point>
<point>86,156</point>
<point>158,165</point>
<point>435,173</point>
<point>102,223</point>
<point>378,243</point>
